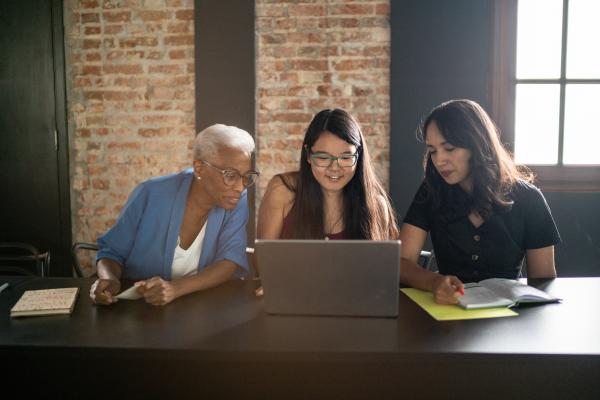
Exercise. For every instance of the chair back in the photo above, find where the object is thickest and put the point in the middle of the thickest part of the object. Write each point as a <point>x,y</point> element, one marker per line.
<point>75,255</point>
<point>18,258</point>
<point>426,260</point>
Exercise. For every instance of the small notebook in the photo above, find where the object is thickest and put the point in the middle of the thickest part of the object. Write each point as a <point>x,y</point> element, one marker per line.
<point>498,292</point>
<point>45,302</point>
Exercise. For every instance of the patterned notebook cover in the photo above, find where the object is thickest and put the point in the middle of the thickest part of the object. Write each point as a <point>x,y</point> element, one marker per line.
<point>45,302</point>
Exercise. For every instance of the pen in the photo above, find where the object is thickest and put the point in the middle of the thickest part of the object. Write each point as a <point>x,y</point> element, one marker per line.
<point>459,290</point>
<point>3,286</point>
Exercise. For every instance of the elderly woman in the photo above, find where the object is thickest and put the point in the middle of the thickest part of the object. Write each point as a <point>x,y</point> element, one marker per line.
<point>184,232</point>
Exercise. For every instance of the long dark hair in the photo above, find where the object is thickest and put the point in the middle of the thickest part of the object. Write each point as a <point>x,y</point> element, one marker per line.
<point>367,212</point>
<point>465,124</point>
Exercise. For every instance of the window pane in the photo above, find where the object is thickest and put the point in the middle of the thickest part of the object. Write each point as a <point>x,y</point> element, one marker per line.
<point>539,33</point>
<point>536,124</point>
<point>583,39</point>
<point>582,132</point>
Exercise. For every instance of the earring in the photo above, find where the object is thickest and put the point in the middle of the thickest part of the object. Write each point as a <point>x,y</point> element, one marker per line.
<point>199,177</point>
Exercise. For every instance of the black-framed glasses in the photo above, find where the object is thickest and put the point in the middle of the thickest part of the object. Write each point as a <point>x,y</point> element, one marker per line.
<point>231,176</point>
<point>346,160</point>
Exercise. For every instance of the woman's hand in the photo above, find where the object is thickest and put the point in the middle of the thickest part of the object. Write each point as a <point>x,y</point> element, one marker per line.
<point>259,292</point>
<point>447,289</point>
<point>103,291</point>
<point>157,291</point>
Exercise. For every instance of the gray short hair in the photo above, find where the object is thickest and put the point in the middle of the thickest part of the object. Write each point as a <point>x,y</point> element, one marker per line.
<point>218,136</point>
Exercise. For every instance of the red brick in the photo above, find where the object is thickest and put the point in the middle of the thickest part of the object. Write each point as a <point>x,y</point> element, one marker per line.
<point>91,43</point>
<point>283,23</point>
<point>101,131</point>
<point>292,117</point>
<point>100,184</point>
<point>306,37</point>
<point>352,9</point>
<point>123,69</point>
<point>350,65</point>
<point>113,55</point>
<point>179,40</point>
<point>124,146</point>
<point>184,14</point>
<point>153,15</point>
<point>276,38</point>
<point>87,18</point>
<point>92,70</point>
<point>83,133</point>
<point>92,30</point>
<point>88,3</point>
<point>271,10</point>
<point>93,57</point>
<point>151,132</point>
<point>309,65</point>
<point>382,9</point>
<point>306,10</point>
<point>165,69</point>
<point>141,41</point>
<point>179,27</point>
<point>112,29</point>
<point>177,54</point>
<point>358,91</point>
<point>119,16</point>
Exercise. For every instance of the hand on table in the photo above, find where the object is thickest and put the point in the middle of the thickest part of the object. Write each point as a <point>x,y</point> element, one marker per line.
<point>447,289</point>
<point>157,291</point>
<point>103,291</point>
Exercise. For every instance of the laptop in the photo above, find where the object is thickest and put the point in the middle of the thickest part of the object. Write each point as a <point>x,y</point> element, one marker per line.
<point>330,277</point>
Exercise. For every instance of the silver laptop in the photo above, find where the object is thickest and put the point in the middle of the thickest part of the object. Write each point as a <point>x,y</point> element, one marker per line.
<point>330,277</point>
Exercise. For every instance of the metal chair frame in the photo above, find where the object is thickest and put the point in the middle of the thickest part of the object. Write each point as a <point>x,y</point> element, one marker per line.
<point>41,259</point>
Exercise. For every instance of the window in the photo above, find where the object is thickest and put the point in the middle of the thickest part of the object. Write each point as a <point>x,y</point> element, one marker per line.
<point>548,88</point>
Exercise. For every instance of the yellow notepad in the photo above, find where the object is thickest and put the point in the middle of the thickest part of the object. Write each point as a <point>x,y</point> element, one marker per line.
<point>45,302</point>
<point>449,312</point>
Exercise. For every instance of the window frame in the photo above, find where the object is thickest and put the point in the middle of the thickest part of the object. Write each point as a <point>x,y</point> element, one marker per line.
<point>503,82</point>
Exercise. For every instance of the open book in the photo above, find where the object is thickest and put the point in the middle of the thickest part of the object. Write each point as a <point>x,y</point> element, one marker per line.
<point>45,302</point>
<point>499,292</point>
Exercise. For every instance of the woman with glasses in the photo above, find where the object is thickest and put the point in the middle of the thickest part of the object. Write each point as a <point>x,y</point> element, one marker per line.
<point>482,211</point>
<point>334,194</point>
<point>184,232</point>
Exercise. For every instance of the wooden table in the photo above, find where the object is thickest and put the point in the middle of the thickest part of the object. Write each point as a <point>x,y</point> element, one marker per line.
<point>221,344</point>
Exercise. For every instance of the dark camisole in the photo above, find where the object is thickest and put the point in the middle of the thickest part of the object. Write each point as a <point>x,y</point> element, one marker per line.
<point>288,223</point>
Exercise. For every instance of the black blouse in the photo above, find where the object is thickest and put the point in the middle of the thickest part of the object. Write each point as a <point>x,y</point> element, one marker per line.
<point>494,250</point>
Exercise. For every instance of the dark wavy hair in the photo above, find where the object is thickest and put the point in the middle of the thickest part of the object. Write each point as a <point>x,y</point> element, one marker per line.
<point>366,205</point>
<point>465,124</point>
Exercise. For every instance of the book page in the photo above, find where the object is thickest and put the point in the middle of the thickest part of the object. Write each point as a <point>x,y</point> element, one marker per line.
<point>478,296</point>
<point>516,291</point>
<point>129,294</point>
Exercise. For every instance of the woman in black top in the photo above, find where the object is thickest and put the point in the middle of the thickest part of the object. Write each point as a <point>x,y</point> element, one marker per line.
<point>483,213</point>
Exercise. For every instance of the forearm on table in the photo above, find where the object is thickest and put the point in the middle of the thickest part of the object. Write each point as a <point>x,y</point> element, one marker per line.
<point>108,269</point>
<point>413,275</point>
<point>211,276</point>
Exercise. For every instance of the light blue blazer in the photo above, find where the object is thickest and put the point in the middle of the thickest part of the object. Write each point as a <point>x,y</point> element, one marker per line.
<point>144,238</point>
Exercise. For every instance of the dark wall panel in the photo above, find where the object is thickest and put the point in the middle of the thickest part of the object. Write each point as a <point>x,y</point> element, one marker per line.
<point>436,56</point>
<point>225,72</point>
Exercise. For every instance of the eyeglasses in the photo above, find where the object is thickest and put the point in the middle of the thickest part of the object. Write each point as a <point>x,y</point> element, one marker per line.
<point>326,160</point>
<point>231,176</point>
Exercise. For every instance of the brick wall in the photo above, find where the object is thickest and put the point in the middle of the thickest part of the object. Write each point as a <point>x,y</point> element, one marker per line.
<point>313,55</point>
<point>130,84</point>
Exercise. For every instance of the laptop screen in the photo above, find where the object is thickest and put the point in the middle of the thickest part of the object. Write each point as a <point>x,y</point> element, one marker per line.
<point>330,277</point>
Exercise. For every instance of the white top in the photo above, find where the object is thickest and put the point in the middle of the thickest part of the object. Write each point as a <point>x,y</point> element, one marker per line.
<point>185,262</point>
